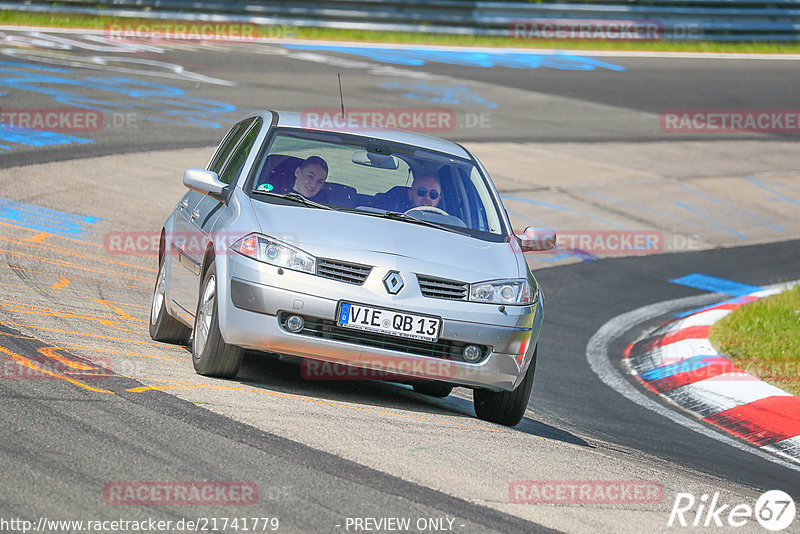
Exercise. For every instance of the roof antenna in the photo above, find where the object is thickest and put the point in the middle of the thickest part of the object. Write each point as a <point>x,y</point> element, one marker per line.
<point>341,97</point>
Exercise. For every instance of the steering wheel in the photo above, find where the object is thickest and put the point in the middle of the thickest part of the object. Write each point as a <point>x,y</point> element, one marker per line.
<point>431,209</point>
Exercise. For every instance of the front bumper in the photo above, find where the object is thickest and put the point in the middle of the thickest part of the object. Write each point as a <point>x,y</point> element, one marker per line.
<point>250,317</point>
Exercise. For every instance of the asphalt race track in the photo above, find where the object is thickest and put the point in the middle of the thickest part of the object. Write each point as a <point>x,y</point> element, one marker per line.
<point>575,142</point>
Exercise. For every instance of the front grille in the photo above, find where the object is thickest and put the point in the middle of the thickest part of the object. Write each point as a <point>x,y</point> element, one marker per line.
<point>439,288</point>
<point>327,329</point>
<point>352,273</point>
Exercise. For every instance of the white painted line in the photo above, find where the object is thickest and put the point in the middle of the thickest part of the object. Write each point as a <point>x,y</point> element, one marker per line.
<point>727,391</point>
<point>706,318</point>
<point>597,354</point>
<point>681,350</point>
<point>789,447</point>
<point>773,290</point>
<point>577,52</point>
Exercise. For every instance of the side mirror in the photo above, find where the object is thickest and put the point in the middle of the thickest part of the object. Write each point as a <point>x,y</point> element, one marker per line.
<point>535,239</point>
<point>206,182</point>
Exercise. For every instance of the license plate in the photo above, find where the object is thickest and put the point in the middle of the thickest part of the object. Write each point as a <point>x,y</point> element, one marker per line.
<point>391,322</point>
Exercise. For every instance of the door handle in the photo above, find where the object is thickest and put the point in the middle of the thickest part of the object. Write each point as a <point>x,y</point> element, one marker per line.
<point>184,202</point>
<point>195,214</point>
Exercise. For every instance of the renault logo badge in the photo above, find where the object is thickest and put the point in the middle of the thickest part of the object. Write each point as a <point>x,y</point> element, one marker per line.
<point>393,282</point>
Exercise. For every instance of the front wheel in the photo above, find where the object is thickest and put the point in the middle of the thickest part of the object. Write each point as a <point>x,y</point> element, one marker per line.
<point>505,407</point>
<point>211,355</point>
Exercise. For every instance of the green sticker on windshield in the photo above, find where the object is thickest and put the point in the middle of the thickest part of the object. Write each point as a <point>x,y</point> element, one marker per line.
<point>265,187</point>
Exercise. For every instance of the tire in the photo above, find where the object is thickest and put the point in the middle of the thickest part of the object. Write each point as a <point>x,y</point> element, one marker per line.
<point>210,354</point>
<point>164,327</point>
<point>505,407</point>
<point>432,388</point>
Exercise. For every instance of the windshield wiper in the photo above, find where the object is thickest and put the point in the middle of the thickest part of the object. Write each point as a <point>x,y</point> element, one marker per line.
<point>398,216</point>
<point>296,197</point>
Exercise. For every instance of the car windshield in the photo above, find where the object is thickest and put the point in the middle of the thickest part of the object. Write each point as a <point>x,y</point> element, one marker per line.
<point>372,177</point>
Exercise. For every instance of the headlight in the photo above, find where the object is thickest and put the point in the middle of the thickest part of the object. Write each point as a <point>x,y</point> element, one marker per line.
<point>502,292</point>
<point>270,250</point>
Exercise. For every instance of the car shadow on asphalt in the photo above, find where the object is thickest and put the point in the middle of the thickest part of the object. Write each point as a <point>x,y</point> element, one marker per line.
<point>267,372</point>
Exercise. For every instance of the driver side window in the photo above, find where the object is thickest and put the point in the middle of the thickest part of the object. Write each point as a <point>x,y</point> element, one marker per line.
<point>228,144</point>
<point>233,168</point>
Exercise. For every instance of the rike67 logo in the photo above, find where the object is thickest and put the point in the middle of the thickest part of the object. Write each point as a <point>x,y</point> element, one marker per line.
<point>774,510</point>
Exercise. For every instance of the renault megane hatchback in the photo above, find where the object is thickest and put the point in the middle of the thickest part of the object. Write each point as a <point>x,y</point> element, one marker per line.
<point>375,250</point>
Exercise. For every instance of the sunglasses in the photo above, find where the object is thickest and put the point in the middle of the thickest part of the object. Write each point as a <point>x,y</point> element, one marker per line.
<point>433,193</point>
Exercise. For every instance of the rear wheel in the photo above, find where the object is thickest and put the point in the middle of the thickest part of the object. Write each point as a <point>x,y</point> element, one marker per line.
<point>211,355</point>
<point>505,407</point>
<point>433,388</point>
<point>164,327</point>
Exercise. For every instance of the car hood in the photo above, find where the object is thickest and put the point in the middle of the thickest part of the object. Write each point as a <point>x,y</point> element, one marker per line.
<point>395,244</point>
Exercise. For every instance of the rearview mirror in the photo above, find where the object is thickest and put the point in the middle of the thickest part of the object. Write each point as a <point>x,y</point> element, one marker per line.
<point>206,182</point>
<point>535,239</point>
<point>373,159</point>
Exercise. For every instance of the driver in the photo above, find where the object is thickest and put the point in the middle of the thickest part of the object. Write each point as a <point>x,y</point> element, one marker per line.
<point>425,191</point>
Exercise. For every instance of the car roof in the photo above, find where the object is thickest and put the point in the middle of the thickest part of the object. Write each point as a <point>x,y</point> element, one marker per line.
<point>293,119</point>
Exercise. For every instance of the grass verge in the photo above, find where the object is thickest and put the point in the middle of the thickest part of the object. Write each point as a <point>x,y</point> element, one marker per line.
<point>22,18</point>
<point>763,338</point>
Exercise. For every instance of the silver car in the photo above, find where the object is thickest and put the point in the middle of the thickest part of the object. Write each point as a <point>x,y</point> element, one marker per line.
<point>359,252</point>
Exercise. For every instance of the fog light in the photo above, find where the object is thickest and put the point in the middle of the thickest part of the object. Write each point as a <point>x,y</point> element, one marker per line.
<point>472,353</point>
<point>294,324</point>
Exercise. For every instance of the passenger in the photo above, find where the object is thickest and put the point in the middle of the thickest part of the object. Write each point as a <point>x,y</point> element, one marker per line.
<point>310,176</point>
